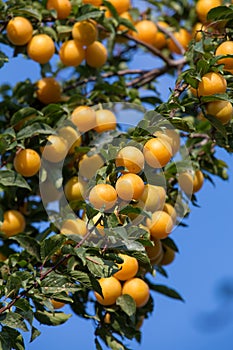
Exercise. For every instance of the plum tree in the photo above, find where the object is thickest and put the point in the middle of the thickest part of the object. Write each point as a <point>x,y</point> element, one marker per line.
<point>97,165</point>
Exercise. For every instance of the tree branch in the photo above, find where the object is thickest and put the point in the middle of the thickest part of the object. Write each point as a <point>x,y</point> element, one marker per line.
<point>147,77</point>
<point>172,37</point>
<point>53,268</point>
<point>105,76</point>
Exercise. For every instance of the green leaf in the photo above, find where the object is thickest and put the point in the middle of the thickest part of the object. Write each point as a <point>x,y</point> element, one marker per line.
<point>11,339</point>
<point>14,320</point>
<point>97,344</point>
<point>127,304</point>
<point>23,304</point>
<point>114,343</point>
<point>126,23</point>
<point>29,244</point>
<point>85,279</point>
<point>220,13</point>
<point>27,11</point>
<point>50,31</point>
<point>111,8</point>
<point>35,129</point>
<point>181,124</point>
<point>217,125</point>
<point>141,257</point>
<point>51,245</point>
<point>169,292</point>
<point>55,283</point>
<point>64,29</point>
<point>23,113</point>
<point>51,318</point>
<point>99,267</point>
<point>88,12</point>
<point>3,59</point>
<point>170,243</point>
<point>13,285</point>
<point>129,209</point>
<point>10,178</point>
<point>34,334</point>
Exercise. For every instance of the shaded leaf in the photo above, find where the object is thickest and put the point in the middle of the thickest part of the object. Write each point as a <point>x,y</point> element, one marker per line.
<point>169,292</point>
<point>127,304</point>
<point>51,318</point>
<point>9,178</point>
<point>29,244</point>
<point>14,320</point>
<point>51,245</point>
<point>34,334</point>
<point>35,129</point>
<point>11,339</point>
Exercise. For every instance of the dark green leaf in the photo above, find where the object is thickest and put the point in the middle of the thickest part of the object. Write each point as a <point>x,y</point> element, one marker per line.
<point>170,243</point>
<point>169,292</point>
<point>51,245</point>
<point>97,345</point>
<point>3,59</point>
<point>99,267</point>
<point>181,124</point>
<point>217,125</point>
<point>51,318</point>
<point>14,320</point>
<point>127,304</point>
<point>11,339</point>
<point>220,13</point>
<point>13,285</point>
<point>23,113</point>
<point>12,178</point>
<point>29,244</point>
<point>27,11</point>
<point>83,278</point>
<point>35,129</point>
<point>34,334</point>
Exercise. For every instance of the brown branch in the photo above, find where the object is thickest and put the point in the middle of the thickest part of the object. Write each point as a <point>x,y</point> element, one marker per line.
<point>149,47</point>
<point>179,88</point>
<point>105,76</point>
<point>147,77</point>
<point>172,37</point>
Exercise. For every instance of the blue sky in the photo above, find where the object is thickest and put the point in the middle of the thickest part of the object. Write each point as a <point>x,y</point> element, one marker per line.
<point>205,262</point>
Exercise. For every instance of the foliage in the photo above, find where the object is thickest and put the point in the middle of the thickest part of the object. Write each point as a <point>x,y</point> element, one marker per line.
<point>44,263</point>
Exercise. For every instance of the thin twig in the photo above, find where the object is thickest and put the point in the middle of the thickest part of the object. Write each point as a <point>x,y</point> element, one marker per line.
<point>147,77</point>
<point>172,37</point>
